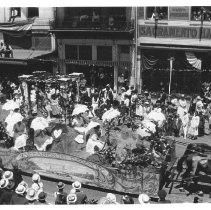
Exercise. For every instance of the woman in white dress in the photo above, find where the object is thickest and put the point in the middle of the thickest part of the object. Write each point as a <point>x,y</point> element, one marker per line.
<point>94,144</point>
<point>193,129</point>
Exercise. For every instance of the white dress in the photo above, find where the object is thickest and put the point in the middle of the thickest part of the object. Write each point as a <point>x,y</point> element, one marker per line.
<point>92,142</point>
<point>193,130</point>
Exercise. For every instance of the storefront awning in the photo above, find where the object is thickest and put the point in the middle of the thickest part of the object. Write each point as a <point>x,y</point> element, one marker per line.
<point>97,63</point>
<point>175,47</point>
<point>21,57</point>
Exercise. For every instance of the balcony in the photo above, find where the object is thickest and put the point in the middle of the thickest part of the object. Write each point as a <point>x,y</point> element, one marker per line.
<point>76,24</point>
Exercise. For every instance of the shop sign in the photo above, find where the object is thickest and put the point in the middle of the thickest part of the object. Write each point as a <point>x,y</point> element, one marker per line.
<point>178,13</point>
<point>174,32</point>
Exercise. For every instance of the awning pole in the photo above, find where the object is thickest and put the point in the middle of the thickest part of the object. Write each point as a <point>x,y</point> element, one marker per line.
<point>171,67</point>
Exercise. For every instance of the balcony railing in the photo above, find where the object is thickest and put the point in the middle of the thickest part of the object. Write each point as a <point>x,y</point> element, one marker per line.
<point>90,25</point>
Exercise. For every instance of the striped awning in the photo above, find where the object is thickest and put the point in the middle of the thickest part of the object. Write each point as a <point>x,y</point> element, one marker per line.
<point>96,63</point>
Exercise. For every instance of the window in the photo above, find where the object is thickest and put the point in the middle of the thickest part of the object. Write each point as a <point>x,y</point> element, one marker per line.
<point>104,53</point>
<point>15,11</point>
<point>71,52</point>
<point>198,12</point>
<point>125,49</point>
<point>159,13</point>
<point>33,12</point>
<point>85,52</point>
<point>78,52</point>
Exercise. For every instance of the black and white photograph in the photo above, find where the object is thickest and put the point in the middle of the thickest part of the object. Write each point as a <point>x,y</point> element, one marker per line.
<point>105,104</point>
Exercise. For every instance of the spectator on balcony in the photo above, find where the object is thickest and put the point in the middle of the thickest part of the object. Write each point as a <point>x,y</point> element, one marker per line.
<point>110,22</point>
<point>95,19</point>
<point>14,14</point>
<point>8,51</point>
<point>1,48</point>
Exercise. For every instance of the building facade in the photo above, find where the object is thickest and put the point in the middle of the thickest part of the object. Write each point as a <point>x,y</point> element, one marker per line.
<point>30,45</point>
<point>95,41</point>
<point>181,34</point>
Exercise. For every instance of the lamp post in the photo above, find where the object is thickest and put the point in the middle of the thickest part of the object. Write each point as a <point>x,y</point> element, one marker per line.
<point>170,76</point>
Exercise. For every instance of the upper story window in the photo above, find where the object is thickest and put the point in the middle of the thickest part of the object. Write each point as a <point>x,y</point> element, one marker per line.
<point>104,53</point>
<point>159,13</point>
<point>197,13</point>
<point>124,49</point>
<point>33,12</point>
<point>15,12</point>
<point>78,52</point>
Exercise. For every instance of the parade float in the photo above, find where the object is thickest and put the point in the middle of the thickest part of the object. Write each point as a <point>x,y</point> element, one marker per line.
<point>132,160</point>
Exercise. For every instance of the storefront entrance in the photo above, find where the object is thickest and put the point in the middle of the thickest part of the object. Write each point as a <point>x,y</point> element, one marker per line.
<point>98,76</point>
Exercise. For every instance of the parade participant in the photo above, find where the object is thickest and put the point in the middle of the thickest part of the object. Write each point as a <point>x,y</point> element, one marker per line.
<point>81,196</point>
<point>108,95</point>
<point>31,196</point>
<point>60,195</point>
<point>185,121</point>
<point>41,199</point>
<point>94,144</point>
<point>19,197</point>
<point>193,129</point>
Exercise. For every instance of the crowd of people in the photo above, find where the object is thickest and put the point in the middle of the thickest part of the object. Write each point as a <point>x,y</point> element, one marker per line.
<point>83,109</point>
<point>6,50</point>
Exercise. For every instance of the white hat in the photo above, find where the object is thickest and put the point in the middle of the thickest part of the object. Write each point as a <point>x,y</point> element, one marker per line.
<point>111,197</point>
<point>122,88</point>
<point>20,189</point>
<point>8,175</point>
<point>31,195</point>
<point>36,177</point>
<point>143,199</point>
<point>79,139</point>
<point>3,183</point>
<point>71,198</point>
<point>76,185</point>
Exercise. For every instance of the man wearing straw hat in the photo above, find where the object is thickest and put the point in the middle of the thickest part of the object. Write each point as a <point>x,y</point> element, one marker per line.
<point>31,196</point>
<point>60,195</point>
<point>19,197</point>
<point>81,196</point>
<point>3,185</point>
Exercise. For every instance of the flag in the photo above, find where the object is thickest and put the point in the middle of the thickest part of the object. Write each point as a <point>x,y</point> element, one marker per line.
<point>17,29</point>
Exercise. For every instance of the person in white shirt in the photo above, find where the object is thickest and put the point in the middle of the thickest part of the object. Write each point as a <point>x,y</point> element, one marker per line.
<point>14,14</point>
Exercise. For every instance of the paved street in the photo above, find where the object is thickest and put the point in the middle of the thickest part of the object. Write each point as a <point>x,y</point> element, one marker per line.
<point>176,196</point>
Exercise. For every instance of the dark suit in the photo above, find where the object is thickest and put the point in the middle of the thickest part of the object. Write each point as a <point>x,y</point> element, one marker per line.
<point>18,200</point>
<point>81,198</point>
<point>6,196</point>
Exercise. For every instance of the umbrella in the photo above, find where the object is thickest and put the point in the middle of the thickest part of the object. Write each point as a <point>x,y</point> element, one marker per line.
<point>10,105</point>
<point>39,123</point>
<point>80,108</point>
<point>91,125</point>
<point>157,116</point>
<point>110,114</point>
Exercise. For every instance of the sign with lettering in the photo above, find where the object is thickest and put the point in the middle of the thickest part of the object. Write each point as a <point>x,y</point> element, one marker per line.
<point>174,32</point>
<point>179,13</point>
<point>72,168</point>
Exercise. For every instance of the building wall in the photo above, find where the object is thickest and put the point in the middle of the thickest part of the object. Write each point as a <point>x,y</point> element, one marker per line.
<point>41,39</point>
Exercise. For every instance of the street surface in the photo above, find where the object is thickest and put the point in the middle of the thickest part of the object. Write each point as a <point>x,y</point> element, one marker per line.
<point>176,196</point>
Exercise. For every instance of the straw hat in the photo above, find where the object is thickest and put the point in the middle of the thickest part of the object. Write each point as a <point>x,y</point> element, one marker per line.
<point>143,199</point>
<point>71,198</point>
<point>8,175</point>
<point>3,183</point>
<point>36,178</point>
<point>20,190</point>
<point>60,185</point>
<point>76,185</point>
<point>111,197</point>
<point>31,195</point>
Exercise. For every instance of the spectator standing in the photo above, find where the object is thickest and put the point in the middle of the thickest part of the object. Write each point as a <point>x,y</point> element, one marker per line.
<point>127,199</point>
<point>31,196</point>
<point>143,199</point>
<point>3,186</point>
<point>162,196</point>
<point>71,199</point>
<point>81,197</point>
<point>60,195</point>
<point>8,51</point>
<point>37,184</point>
<point>42,199</point>
<point>19,197</point>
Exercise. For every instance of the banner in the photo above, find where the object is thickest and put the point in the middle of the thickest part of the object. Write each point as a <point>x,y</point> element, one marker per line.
<point>193,60</point>
<point>17,29</point>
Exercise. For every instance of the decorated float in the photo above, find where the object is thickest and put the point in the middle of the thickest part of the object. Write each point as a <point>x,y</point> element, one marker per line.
<point>128,158</point>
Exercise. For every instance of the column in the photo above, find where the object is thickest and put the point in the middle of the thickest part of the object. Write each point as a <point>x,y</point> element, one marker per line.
<point>139,72</point>
<point>115,57</point>
<point>133,66</point>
